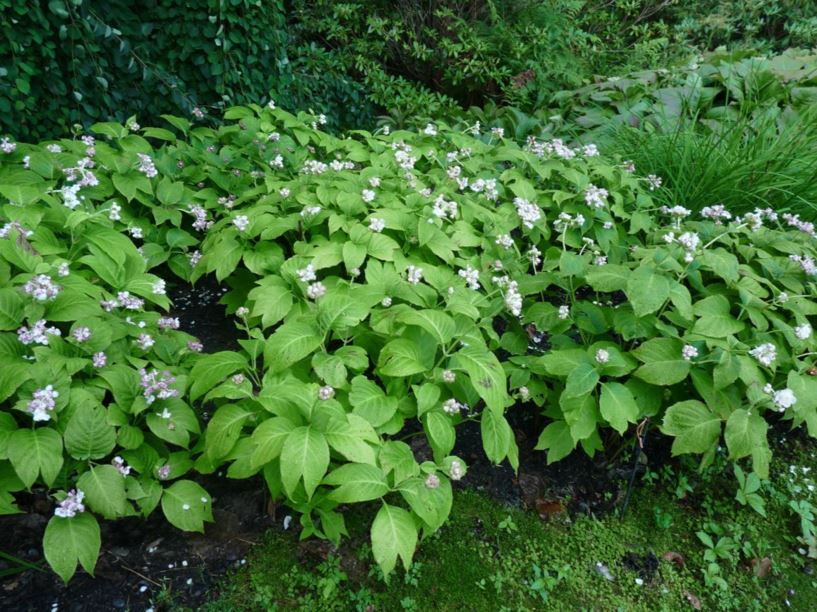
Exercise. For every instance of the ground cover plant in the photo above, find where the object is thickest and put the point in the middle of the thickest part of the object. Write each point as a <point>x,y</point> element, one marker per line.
<point>388,285</point>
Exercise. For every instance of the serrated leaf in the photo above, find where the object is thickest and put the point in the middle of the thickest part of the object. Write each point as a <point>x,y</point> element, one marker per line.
<point>289,344</point>
<point>104,489</point>
<point>224,429</point>
<point>304,456</point>
<point>394,535</point>
<point>695,428</point>
<point>647,290</point>
<point>356,482</point>
<point>486,375</point>
<point>618,406</point>
<point>36,451</point>
<point>68,541</point>
<point>663,361</point>
<point>212,370</point>
<point>186,505</point>
<point>88,435</point>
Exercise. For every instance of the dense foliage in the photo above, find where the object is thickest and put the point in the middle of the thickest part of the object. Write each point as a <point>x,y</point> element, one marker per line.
<point>389,285</point>
<point>72,62</point>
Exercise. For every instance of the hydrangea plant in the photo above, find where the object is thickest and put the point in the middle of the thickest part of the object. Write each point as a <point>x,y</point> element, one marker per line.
<point>385,285</point>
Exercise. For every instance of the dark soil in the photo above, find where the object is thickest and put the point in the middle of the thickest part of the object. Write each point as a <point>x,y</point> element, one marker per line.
<point>142,562</point>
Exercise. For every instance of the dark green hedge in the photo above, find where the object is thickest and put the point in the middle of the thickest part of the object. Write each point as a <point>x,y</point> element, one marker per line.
<point>64,62</point>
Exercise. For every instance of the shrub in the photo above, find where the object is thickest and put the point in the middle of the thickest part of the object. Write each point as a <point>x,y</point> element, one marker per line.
<point>390,285</point>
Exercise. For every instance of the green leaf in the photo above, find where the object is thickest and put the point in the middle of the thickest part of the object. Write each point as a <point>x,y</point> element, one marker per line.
<point>556,439</point>
<point>402,357</point>
<point>224,429</point>
<point>289,344</point>
<point>269,439</point>
<point>431,505</point>
<point>11,309</point>
<point>497,436</point>
<point>271,302</point>
<point>393,534</point>
<point>486,374</point>
<point>663,361</point>
<point>440,433</point>
<point>745,435</point>
<point>715,320</point>
<point>12,375</point>
<point>71,305</point>
<point>438,324</point>
<point>350,440</point>
<point>618,406</point>
<point>71,540</point>
<point>357,482</point>
<point>608,278</point>
<point>187,506</point>
<point>695,428</point>
<point>104,489</point>
<point>370,402</point>
<point>647,290</point>
<point>88,434</point>
<point>581,381</point>
<point>305,455</point>
<point>212,370</point>
<point>36,451</point>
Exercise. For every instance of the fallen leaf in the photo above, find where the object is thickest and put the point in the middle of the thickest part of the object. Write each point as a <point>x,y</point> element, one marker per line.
<point>549,509</point>
<point>674,557</point>
<point>693,601</point>
<point>761,567</point>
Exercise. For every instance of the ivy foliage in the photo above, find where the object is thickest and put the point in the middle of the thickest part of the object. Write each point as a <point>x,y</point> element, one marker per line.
<point>67,62</point>
<point>386,286</point>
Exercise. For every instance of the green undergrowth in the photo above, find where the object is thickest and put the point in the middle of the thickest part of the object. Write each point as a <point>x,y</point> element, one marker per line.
<point>493,557</point>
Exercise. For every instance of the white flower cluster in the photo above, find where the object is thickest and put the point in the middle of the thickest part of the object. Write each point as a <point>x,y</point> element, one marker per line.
<point>806,263</point>
<point>451,406</point>
<point>689,240</point>
<point>368,195</point>
<point>677,213</point>
<point>313,166</point>
<point>782,399</point>
<point>42,288</point>
<point>120,466</point>
<point>455,472</point>
<point>565,221</point>
<point>796,222</point>
<point>444,209</point>
<point>595,196</point>
<point>602,356</point>
<point>513,299</point>
<point>146,166</point>
<point>765,353</point>
<point>505,241</point>
<point>242,222</point>
<point>564,312</point>
<point>37,334</point>
<point>449,376</point>
<point>716,213</point>
<point>326,393</point>
<point>42,403</point>
<point>71,505</point>
<point>337,165</point>
<point>377,225</point>
<point>7,146</point>
<point>201,223</point>
<point>803,332</point>
<point>534,256</point>
<point>414,275</point>
<point>145,341</point>
<point>471,277</point>
<point>277,162</point>
<point>310,211</point>
<point>754,219</point>
<point>487,187</point>
<point>316,290</point>
<point>653,181</point>
<point>14,225</point>
<point>689,352</point>
<point>307,274</point>
<point>81,334</point>
<point>529,213</point>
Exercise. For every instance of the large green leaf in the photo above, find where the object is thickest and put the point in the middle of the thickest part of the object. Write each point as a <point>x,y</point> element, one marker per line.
<point>224,429</point>
<point>88,434</point>
<point>370,402</point>
<point>438,324</point>
<point>12,375</point>
<point>440,433</point>
<point>357,482</point>
<point>647,290</point>
<point>104,488</point>
<point>745,435</point>
<point>695,428</point>
<point>289,344</point>
<point>187,506</point>
<point>402,357</point>
<point>351,439</point>
<point>581,381</point>
<point>71,540</point>
<point>305,455</point>
<point>663,361</point>
<point>556,439</point>
<point>618,406</point>
<point>497,436</point>
<point>271,302</point>
<point>393,534</point>
<point>269,439</point>
<point>36,451</point>
<point>432,505</point>
<point>11,308</point>
<point>212,370</point>
<point>486,375</point>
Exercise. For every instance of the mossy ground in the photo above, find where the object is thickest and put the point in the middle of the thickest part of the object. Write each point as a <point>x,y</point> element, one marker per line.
<point>492,557</point>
